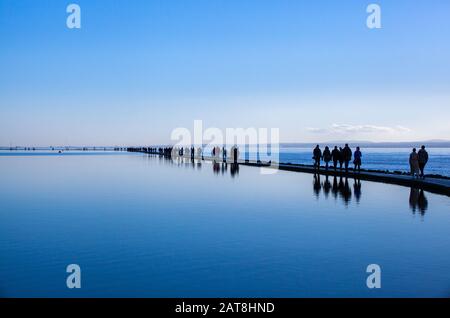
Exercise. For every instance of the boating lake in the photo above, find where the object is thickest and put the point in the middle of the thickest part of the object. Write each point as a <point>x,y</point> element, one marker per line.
<point>141,225</point>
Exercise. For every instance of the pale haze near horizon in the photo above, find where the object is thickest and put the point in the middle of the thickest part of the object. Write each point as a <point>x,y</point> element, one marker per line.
<point>136,70</point>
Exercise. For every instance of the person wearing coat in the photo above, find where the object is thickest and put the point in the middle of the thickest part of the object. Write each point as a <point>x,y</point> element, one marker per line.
<point>335,155</point>
<point>326,156</point>
<point>357,161</point>
<point>414,163</point>
<point>317,156</point>
<point>347,154</point>
<point>423,159</point>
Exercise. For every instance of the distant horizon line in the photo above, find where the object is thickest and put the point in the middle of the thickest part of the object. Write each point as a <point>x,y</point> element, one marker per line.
<point>436,143</point>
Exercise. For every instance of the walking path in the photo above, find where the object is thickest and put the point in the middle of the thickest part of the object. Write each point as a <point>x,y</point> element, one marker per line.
<point>430,183</point>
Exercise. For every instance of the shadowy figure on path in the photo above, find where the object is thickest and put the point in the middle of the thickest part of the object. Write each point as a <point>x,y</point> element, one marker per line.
<point>224,154</point>
<point>341,158</point>
<point>357,161</point>
<point>423,159</point>
<point>347,154</point>
<point>414,163</point>
<point>335,155</point>
<point>234,154</point>
<point>317,155</point>
<point>200,153</point>
<point>327,157</point>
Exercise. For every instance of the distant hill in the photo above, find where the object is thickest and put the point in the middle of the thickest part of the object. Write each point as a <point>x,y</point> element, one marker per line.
<point>369,144</point>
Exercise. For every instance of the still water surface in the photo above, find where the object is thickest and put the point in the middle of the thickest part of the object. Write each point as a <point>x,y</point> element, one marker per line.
<point>143,226</point>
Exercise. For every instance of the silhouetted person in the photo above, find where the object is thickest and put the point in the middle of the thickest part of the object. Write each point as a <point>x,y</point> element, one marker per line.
<point>414,163</point>
<point>335,155</point>
<point>341,158</point>
<point>357,161</point>
<point>317,155</point>
<point>235,154</point>
<point>423,159</point>
<point>347,154</point>
<point>326,157</point>
<point>217,152</point>
<point>224,154</point>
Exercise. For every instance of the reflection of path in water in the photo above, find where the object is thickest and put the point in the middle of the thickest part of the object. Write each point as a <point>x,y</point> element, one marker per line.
<point>418,201</point>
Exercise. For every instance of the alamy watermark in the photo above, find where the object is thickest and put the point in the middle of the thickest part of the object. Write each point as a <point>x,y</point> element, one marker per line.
<point>259,145</point>
<point>74,279</point>
<point>374,19</point>
<point>374,279</point>
<point>73,20</point>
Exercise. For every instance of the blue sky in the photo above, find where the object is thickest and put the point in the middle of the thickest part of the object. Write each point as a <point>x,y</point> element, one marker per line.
<point>136,70</point>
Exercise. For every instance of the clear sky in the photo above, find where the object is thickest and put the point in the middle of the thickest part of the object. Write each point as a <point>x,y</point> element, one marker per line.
<point>138,69</point>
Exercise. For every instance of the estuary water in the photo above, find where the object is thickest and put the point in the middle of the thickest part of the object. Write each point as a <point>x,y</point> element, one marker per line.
<point>140,225</point>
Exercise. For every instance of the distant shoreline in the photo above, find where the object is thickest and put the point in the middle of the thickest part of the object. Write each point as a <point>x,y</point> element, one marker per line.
<point>363,144</point>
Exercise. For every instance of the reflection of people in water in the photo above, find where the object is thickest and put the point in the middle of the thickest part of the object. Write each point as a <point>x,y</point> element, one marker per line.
<point>327,186</point>
<point>216,167</point>
<point>234,169</point>
<point>345,191</point>
<point>316,185</point>
<point>418,201</point>
<point>357,189</point>
<point>341,188</point>
<point>335,188</point>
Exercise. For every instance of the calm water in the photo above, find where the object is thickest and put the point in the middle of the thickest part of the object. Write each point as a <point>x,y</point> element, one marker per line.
<point>144,226</point>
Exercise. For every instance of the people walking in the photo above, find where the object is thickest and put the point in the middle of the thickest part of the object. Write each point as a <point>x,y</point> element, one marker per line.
<point>357,161</point>
<point>317,156</point>
<point>414,163</point>
<point>423,159</point>
<point>335,155</point>
<point>327,157</point>
<point>347,154</point>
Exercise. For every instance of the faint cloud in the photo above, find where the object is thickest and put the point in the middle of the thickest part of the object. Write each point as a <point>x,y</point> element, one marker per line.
<point>355,129</point>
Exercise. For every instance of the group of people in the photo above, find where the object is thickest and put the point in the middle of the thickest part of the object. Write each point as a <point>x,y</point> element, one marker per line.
<point>341,156</point>
<point>338,156</point>
<point>417,162</point>
<point>217,153</point>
